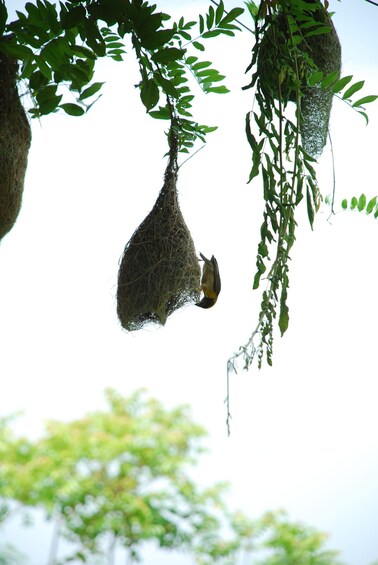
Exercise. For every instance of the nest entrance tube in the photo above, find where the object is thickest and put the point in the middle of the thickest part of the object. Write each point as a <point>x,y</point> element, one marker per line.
<point>159,270</point>
<point>15,138</point>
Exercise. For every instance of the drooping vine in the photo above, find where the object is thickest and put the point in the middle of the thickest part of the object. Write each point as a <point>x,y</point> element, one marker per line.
<point>296,61</point>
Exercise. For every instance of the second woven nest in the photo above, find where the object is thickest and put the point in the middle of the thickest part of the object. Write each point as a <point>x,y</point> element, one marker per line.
<point>159,271</point>
<point>316,102</point>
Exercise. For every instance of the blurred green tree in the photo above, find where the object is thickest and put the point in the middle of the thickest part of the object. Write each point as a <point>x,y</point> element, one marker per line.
<point>120,477</point>
<point>114,477</point>
<point>291,543</point>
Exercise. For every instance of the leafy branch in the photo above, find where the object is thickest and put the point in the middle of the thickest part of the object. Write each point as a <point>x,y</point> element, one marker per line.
<point>343,90</point>
<point>286,171</point>
<point>286,70</point>
<point>361,204</point>
<point>58,49</point>
<point>175,65</point>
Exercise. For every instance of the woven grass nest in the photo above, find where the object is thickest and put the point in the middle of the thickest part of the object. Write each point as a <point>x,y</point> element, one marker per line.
<point>316,102</point>
<point>159,271</point>
<point>15,138</point>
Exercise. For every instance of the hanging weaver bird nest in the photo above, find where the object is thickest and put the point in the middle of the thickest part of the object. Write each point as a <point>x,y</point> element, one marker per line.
<point>15,138</point>
<point>159,271</point>
<point>275,64</point>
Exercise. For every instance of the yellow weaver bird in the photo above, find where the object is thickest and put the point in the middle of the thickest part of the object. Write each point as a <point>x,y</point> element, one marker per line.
<point>210,282</point>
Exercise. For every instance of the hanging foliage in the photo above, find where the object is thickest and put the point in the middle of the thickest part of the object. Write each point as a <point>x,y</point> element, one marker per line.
<point>296,64</point>
<point>15,137</point>
<point>59,44</point>
<point>159,270</point>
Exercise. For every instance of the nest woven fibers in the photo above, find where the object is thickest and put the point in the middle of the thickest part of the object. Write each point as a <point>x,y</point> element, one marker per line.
<point>159,271</point>
<point>15,139</point>
<point>316,102</point>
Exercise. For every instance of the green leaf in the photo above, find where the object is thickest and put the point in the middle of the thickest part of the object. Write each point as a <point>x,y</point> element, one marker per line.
<point>365,100</point>
<point>33,11</point>
<point>283,322</point>
<point>361,203</point>
<point>16,51</point>
<point>46,106</point>
<point>353,203</point>
<point>344,204</point>
<point>210,74</point>
<point>315,78</point>
<point>116,54</point>
<point>161,114</point>
<point>252,8</point>
<point>200,65</point>
<point>168,54</point>
<point>37,80</point>
<point>55,52</point>
<point>3,18</point>
<point>218,89</point>
<point>219,12</point>
<point>73,17</point>
<point>320,30</point>
<point>231,16</point>
<point>310,168</point>
<point>208,129</point>
<point>201,24</point>
<point>157,39</point>
<point>198,46</point>
<point>354,88</point>
<point>115,44</point>
<point>167,86</point>
<point>341,83</point>
<point>43,67</point>
<point>212,33</point>
<point>330,79</point>
<point>72,109</point>
<point>310,208</point>
<point>262,249</point>
<point>229,32</point>
<point>364,114</point>
<point>28,68</point>
<point>371,205</point>
<point>210,18</point>
<point>91,90</point>
<point>81,50</point>
<point>149,94</point>
<point>261,268</point>
<point>94,38</point>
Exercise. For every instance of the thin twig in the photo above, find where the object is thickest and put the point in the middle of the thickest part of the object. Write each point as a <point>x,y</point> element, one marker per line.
<point>195,153</point>
<point>334,177</point>
<point>227,401</point>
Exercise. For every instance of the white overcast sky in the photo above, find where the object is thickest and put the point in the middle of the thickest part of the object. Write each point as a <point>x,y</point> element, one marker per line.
<point>304,433</point>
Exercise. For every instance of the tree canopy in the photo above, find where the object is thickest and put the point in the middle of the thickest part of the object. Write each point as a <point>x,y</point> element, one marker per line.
<point>120,477</point>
